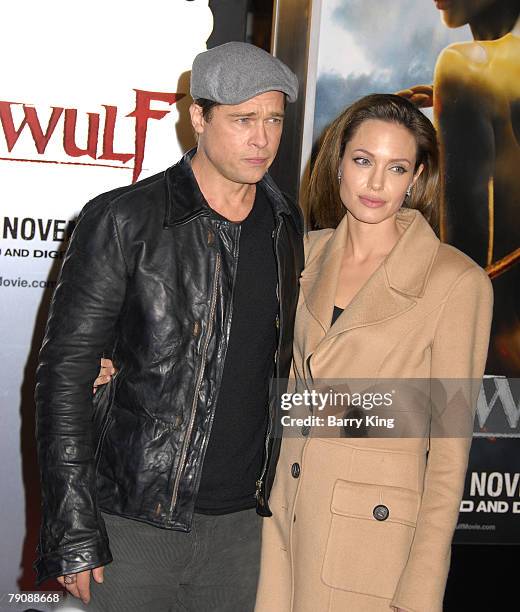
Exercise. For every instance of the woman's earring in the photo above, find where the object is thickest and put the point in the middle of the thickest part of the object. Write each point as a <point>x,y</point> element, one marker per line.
<point>409,191</point>
<point>339,176</point>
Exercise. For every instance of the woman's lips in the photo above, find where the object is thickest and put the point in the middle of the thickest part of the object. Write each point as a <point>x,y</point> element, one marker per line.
<point>371,202</point>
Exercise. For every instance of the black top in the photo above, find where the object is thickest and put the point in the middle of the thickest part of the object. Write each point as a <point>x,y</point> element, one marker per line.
<point>335,314</point>
<point>234,456</point>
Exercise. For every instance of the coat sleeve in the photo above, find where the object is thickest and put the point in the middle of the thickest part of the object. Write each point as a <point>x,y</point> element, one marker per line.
<point>459,353</point>
<point>85,307</point>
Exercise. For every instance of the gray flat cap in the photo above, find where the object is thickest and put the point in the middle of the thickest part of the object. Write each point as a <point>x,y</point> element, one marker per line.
<point>234,72</point>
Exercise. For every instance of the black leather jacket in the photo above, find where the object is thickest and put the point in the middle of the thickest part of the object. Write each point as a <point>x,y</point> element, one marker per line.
<point>149,271</point>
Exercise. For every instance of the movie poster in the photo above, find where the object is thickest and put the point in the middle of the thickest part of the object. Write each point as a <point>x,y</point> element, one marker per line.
<point>459,60</point>
<point>93,96</point>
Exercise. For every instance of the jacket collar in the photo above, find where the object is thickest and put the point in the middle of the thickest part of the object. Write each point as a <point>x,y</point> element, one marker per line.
<point>392,288</point>
<point>185,201</point>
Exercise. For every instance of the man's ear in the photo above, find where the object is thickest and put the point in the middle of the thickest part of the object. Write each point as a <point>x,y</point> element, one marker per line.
<point>197,119</point>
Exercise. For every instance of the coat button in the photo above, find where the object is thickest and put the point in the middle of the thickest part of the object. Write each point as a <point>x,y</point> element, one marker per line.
<point>306,430</point>
<point>295,470</point>
<point>381,513</point>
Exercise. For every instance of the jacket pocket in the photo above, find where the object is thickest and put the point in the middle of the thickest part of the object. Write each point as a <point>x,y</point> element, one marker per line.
<point>370,536</point>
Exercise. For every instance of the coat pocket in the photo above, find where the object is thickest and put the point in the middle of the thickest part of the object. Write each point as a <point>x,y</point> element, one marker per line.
<point>370,536</point>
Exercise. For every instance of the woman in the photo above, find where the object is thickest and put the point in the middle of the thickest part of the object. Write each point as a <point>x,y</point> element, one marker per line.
<point>365,524</point>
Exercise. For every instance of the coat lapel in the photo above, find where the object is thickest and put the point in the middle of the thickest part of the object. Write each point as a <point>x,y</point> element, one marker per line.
<point>375,302</point>
<point>391,291</point>
<point>320,276</point>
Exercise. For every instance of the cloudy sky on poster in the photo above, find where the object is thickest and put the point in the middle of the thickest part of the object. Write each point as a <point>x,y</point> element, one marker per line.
<point>380,46</point>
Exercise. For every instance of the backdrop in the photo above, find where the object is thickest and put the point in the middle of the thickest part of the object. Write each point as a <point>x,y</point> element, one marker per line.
<point>91,98</point>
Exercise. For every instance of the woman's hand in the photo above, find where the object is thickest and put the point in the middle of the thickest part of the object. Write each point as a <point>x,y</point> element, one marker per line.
<point>106,372</point>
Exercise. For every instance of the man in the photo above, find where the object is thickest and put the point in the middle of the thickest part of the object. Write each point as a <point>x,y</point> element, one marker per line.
<point>191,276</point>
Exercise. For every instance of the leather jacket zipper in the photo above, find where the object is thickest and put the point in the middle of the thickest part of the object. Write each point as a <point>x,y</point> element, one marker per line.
<point>259,482</point>
<point>186,441</point>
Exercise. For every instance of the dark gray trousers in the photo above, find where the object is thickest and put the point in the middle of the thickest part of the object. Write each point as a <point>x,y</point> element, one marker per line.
<point>214,568</point>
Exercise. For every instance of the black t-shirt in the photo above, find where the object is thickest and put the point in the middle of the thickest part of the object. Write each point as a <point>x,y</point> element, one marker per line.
<point>234,456</point>
<point>336,314</point>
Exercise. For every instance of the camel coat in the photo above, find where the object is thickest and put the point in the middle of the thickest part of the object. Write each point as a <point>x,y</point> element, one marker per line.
<point>425,313</point>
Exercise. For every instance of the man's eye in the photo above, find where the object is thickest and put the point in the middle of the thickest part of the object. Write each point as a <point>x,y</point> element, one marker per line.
<point>275,120</point>
<point>243,120</point>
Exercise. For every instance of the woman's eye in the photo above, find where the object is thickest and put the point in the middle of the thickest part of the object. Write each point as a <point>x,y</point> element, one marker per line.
<point>399,169</point>
<point>361,161</point>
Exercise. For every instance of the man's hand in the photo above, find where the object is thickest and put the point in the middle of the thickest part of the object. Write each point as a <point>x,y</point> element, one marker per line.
<point>106,371</point>
<point>79,584</point>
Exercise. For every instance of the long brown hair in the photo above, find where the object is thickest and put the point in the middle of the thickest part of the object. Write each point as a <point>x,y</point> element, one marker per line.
<point>325,208</point>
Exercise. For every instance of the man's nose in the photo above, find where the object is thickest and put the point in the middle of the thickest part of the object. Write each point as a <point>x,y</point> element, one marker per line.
<point>259,136</point>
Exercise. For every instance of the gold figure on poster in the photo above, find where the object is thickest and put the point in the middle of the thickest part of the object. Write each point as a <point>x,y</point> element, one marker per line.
<point>476,99</point>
